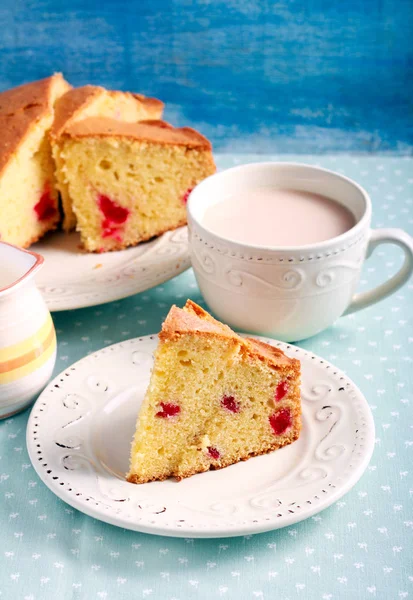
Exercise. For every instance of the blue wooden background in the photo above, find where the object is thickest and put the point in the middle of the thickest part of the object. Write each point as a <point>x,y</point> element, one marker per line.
<point>253,75</point>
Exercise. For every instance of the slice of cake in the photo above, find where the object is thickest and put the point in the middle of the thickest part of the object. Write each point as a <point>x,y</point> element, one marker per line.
<point>94,101</point>
<point>28,197</point>
<point>214,399</point>
<point>129,182</point>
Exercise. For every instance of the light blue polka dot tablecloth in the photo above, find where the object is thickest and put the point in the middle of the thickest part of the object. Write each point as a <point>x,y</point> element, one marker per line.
<point>359,548</point>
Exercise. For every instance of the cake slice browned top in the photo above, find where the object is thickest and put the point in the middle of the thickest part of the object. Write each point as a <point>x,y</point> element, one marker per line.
<point>42,93</point>
<point>193,319</point>
<point>21,108</point>
<point>76,102</point>
<point>145,131</point>
<point>274,357</point>
<point>71,104</point>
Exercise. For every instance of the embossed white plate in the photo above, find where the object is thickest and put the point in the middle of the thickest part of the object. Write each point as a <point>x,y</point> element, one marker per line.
<point>79,435</point>
<point>72,278</point>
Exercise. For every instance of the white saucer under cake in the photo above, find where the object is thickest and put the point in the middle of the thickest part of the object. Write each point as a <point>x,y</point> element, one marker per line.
<point>72,278</point>
<point>79,435</point>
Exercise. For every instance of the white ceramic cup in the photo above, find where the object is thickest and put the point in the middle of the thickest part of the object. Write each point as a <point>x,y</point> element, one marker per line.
<point>288,292</point>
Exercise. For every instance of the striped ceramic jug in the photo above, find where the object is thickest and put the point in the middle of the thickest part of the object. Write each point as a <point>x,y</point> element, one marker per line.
<point>27,334</point>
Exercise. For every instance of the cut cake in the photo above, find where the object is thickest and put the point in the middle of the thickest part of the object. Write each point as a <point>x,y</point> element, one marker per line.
<point>214,399</point>
<point>129,182</point>
<point>93,101</point>
<point>28,197</point>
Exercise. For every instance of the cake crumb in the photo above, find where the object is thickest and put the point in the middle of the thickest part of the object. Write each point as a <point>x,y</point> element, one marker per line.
<point>98,266</point>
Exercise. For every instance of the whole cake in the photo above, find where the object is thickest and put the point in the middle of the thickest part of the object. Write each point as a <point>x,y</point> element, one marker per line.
<point>129,182</point>
<point>214,399</point>
<point>28,196</point>
<point>93,101</point>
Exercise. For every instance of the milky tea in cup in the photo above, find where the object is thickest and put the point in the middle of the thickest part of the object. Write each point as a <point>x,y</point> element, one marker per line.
<point>273,216</point>
<point>278,248</point>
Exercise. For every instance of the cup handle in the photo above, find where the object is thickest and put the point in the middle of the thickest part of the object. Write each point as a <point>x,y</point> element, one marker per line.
<point>385,236</point>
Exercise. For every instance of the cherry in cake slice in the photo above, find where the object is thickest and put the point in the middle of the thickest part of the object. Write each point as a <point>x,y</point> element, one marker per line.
<point>93,101</point>
<point>129,182</point>
<point>214,399</point>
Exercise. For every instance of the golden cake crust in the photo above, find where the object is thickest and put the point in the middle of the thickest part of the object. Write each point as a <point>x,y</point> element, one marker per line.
<point>274,357</point>
<point>34,93</point>
<point>151,104</point>
<point>15,128</point>
<point>187,321</point>
<point>76,100</point>
<point>21,108</point>
<point>71,104</point>
<point>155,131</point>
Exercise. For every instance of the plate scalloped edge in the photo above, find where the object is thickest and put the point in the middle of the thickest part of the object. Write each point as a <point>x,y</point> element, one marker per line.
<point>338,437</point>
<point>136,270</point>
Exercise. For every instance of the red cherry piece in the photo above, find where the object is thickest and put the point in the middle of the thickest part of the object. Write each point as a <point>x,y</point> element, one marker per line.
<point>230,404</point>
<point>45,209</point>
<point>186,195</point>
<point>213,453</point>
<point>281,421</point>
<point>281,391</point>
<point>110,230</point>
<point>168,410</point>
<point>113,212</point>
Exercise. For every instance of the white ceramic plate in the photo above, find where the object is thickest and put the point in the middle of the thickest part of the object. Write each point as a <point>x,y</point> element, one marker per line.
<point>79,435</point>
<point>71,278</point>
